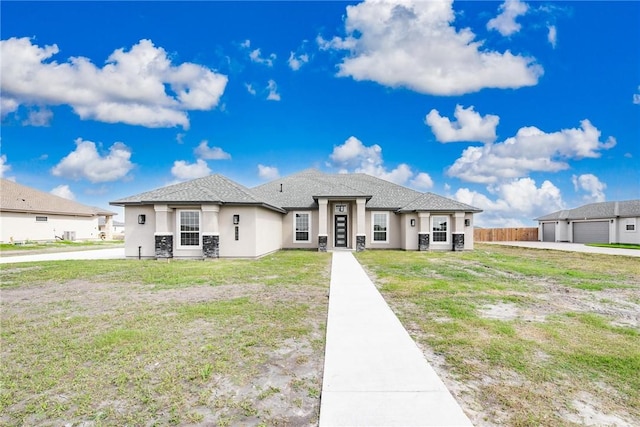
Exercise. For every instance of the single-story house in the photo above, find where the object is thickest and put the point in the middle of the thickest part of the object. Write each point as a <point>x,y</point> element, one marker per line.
<point>30,214</point>
<point>605,222</point>
<point>116,230</point>
<point>215,217</point>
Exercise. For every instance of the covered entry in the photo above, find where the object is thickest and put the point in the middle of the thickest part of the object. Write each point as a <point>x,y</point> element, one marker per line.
<point>591,232</point>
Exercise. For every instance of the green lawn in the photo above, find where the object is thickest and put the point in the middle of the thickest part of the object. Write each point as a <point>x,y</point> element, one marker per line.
<point>522,337</point>
<point>127,342</point>
<point>523,334</point>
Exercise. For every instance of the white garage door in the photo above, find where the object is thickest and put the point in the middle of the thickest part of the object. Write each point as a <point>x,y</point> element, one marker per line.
<point>548,232</point>
<point>591,232</point>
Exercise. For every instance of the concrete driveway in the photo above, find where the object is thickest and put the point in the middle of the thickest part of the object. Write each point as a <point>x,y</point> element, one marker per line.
<point>111,253</point>
<point>570,247</point>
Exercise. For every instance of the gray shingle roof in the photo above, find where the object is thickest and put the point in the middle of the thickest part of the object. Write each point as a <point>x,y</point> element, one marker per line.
<point>210,189</point>
<point>300,191</point>
<point>20,198</point>
<point>625,208</point>
<point>433,202</point>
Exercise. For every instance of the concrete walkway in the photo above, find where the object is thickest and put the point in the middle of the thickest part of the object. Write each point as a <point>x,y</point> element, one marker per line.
<point>374,374</point>
<point>571,247</point>
<point>111,253</point>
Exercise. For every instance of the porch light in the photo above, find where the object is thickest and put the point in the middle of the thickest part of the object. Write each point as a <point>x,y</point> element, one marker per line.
<point>236,219</point>
<point>142,219</point>
<point>467,222</point>
<point>413,222</point>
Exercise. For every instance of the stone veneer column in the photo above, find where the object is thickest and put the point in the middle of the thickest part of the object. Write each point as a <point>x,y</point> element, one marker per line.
<point>457,235</point>
<point>423,233</point>
<point>210,231</point>
<point>361,227</point>
<point>163,235</point>
<point>323,236</point>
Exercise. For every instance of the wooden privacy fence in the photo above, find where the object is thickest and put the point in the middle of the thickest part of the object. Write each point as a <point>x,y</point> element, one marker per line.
<point>524,234</point>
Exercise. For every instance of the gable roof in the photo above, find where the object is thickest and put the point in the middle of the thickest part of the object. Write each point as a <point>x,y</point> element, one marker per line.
<point>299,191</point>
<point>602,210</point>
<point>15,197</point>
<point>215,189</point>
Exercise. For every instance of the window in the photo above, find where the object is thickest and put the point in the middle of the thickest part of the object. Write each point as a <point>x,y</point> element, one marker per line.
<point>302,227</point>
<point>41,219</point>
<point>631,224</point>
<point>380,226</point>
<point>439,229</point>
<point>189,224</point>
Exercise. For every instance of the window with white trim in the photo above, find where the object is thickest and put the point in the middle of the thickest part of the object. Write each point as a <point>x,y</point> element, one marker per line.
<point>439,229</point>
<point>302,227</point>
<point>630,225</point>
<point>380,222</point>
<point>189,229</point>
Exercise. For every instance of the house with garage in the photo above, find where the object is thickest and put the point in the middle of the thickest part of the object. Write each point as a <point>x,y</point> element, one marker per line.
<point>27,214</point>
<point>215,217</point>
<point>605,222</point>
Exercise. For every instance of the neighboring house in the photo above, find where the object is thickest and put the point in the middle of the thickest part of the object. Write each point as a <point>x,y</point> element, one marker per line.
<point>30,214</point>
<point>116,230</point>
<point>606,222</point>
<point>214,217</point>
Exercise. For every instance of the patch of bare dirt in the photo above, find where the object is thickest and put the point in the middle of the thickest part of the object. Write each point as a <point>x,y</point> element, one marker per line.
<point>284,391</point>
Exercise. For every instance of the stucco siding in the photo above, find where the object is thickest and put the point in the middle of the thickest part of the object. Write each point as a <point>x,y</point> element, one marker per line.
<point>627,236</point>
<point>245,246</point>
<point>23,226</point>
<point>139,235</point>
<point>288,231</point>
<point>409,234</point>
<point>468,232</point>
<point>268,231</point>
<point>394,237</point>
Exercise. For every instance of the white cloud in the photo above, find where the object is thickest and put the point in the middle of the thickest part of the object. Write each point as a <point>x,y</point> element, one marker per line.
<point>414,44</point>
<point>636,97</point>
<point>517,202</point>
<point>38,117</point>
<point>297,61</point>
<point>354,156</point>
<point>268,172</point>
<point>250,88</point>
<point>422,181</point>
<point>4,167</point>
<point>505,23</point>
<point>592,185</point>
<point>470,126</point>
<point>203,151</point>
<point>256,56</point>
<point>180,138</point>
<point>183,170</point>
<point>130,88</point>
<point>63,191</point>
<point>85,162</point>
<point>552,36</point>
<point>272,87</point>
<point>530,150</point>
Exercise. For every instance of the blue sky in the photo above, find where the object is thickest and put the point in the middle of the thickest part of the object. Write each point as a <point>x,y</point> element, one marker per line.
<point>518,108</point>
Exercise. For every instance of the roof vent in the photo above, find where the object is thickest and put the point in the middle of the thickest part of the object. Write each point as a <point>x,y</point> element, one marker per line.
<point>281,188</point>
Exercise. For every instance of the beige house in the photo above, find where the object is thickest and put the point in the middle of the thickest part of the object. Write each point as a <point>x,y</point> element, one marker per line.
<point>29,214</point>
<point>214,217</point>
<point>604,222</point>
